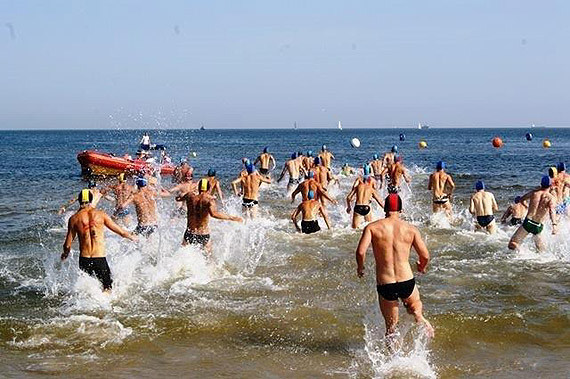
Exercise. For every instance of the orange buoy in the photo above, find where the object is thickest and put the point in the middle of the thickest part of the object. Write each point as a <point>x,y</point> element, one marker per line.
<point>497,142</point>
<point>546,143</point>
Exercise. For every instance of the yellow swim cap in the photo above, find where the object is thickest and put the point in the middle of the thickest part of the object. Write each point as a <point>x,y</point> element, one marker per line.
<point>552,172</point>
<point>122,177</point>
<point>204,185</point>
<point>85,196</point>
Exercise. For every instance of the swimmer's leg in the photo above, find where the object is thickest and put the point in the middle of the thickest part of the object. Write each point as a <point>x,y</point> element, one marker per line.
<point>539,243</point>
<point>492,227</point>
<point>414,307</point>
<point>355,220</point>
<point>389,311</point>
<point>368,217</point>
<point>517,238</point>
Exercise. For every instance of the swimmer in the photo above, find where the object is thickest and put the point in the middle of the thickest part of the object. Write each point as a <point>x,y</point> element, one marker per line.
<point>323,174</point>
<point>88,224</point>
<point>366,172</point>
<point>294,169</point>
<point>144,200</point>
<point>264,160</point>
<point>392,240</point>
<point>563,189</point>
<point>482,205</point>
<point>184,187</point>
<point>145,142</point>
<point>389,157</point>
<point>201,207</point>
<point>377,167</point>
<point>122,190</point>
<point>364,193</point>
<point>249,186</point>
<point>215,187</point>
<point>308,161</point>
<point>97,196</point>
<point>515,211</point>
<point>394,174</point>
<point>541,203</point>
<point>347,170</point>
<point>441,184</point>
<point>310,184</point>
<point>326,157</point>
<point>182,171</point>
<point>309,209</point>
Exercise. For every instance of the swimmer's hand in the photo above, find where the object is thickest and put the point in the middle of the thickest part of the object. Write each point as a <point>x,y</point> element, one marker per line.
<point>360,272</point>
<point>348,209</point>
<point>133,237</point>
<point>554,229</point>
<point>64,255</point>
<point>61,211</point>
<point>421,268</point>
<point>237,219</point>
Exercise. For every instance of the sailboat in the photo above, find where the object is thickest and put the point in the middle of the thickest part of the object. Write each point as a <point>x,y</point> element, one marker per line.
<point>339,126</point>
<point>295,125</point>
<point>424,126</point>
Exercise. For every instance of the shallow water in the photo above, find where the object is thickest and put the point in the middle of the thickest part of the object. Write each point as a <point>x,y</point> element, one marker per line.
<point>273,303</point>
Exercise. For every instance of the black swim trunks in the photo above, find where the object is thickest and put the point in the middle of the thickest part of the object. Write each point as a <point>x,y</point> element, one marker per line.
<point>516,221</point>
<point>309,227</point>
<point>483,221</point>
<point>99,268</point>
<point>392,188</point>
<point>362,210</point>
<point>393,291</point>
<point>264,171</point>
<point>441,200</point>
<point>294,181</point>
<point>145,230</point>
<point>196,239</point>
<point>249,203</point>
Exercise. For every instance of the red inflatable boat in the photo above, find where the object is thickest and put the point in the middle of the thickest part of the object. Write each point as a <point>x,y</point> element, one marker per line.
<point>97,163</point>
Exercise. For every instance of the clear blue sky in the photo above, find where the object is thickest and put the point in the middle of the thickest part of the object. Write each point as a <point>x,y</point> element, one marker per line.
<point>103,64</point>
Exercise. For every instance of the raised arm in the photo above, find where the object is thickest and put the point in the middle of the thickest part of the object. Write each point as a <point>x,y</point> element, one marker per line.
<point>68,240</point>
<point>363,245</point>
<point>109,223</point>
<point>422,251</point>
<point>294,216</point>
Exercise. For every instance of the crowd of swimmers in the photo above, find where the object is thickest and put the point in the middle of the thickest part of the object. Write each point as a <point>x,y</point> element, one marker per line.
<point>311,176</point>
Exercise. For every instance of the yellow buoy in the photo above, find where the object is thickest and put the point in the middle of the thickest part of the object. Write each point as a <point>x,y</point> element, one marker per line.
<point>422,144</point>
<point>546,143</point>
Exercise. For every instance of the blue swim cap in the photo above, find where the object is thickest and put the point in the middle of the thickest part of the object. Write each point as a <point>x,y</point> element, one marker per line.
<point>317,161</point>
<point>249,167</point>
<point>366,177</point>
<point>299,153</point>
<point>324,148</point>
<point>246,161</point>
<point>440,165</point>
<point>375,156</point>
<point>561,166</point>
<point>366,169</point>
<point>545,182</point>
<point>310,174</point>
<point>211,172</point>
<point>310,153</point>
<point>92,184</point>
<point>480,185</point>
<point>311,195</point>
<point>394,149</point>
<point>294,156</point>
<point>517,199</point>
<point>402,136</point>
<point>265,149</point>
<point>141,182</point>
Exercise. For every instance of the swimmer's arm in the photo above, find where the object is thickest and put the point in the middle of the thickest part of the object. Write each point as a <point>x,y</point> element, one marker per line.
<point>407,176</point>
<point>325,216</point>
<point>294,216</point>
<point>325,194</point>
<point>349,199</point>
<point>297,190</point>
<point>181,197</point>
<point>332,156</point>
<point>264,179</point>
<point>472,206</point>
<point>219,190</point>
<point>234,185</point>
<point>213,210</point>
<point>68,240</point>
<point>495,205</point>
<point>422,251</point>
<point>526,196</point>
<point>282,173</point>
<point>109,223</point>
<point>272,160</point>
<point>429,182</point>
<point>127,202</point>
<point>62,209</point>
<point>378,199</point>
<point>257,160</point>
<point>507,213</point>
<point>450,182</point>
<point>363,245</point>
<point>553,219</point>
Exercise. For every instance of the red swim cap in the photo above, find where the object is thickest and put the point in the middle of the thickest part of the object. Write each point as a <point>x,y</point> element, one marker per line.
<point>393,203</point>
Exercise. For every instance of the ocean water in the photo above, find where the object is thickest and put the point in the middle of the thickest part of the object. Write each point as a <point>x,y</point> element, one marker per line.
<point>275,303</point>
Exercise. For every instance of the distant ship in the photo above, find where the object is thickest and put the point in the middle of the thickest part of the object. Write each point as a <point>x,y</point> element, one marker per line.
<point>202,127</point>
<point>424,126</point>
<point>339,126</point>
<point>295,125</point>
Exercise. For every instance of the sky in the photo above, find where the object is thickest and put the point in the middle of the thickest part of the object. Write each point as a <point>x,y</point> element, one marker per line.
<point>268,64</point>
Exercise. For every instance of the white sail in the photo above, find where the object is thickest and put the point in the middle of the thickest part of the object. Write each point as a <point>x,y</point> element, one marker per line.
<point>339,126</point>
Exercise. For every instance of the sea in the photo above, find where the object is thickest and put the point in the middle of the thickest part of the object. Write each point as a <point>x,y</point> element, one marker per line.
<point>270,302</point>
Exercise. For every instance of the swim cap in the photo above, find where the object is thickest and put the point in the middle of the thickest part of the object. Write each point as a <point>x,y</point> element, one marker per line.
<point>552,172</point>
<point>317,161</point>
<point>310,153</point>
<point>183,160</point>
<point>545,182</point>
<point>299,153</point>
<point>141,182</point>
<point>249,167</point>
<point>211,172</point>
<point>204,185</point>
<point>440,165</point>
<point>366,169</point>
<point>311,195</point>
<point>561,166</point>
<point>85,196</point>
<point>122,177</point>
<point>310,174</point>
<point>324,148</point>
<point>394,149</point>
<point>345,165</point>
<point>265,149</point>
<point>480,185</point>
<point>375,156</point>
<point>294,156</point>
<point>92,184</point>
<point>366,178</point>
<point>393,203</point>
<point>517,199</point>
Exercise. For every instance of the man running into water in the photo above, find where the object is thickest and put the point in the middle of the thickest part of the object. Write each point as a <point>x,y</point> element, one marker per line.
<point>122,190</point>
<point>310,184</point>
<point>390,157</point>
<point>265,160</point>
<point>326,157</point>
<point>394,174</point>
<point>144,200</point>
<point>482,206</point>
<point>309,209</point>
<point>364,193</point>
<point>515,211</point>
<point>377,167</point>
<point>97,196</point>
<point>323,174</point>
<point>441,184</point>
<point>392,240</point>
<point>563,189</point>
<point>200,208</point>
<point>541,203</point>
<point>293,167</point>
<point>182,171</point>
<point>187,185</point>
<point>347,170</point>
<point>249,186</point>
<point>308,161</point>
<point>88,224</point>
<point>215,187</point>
